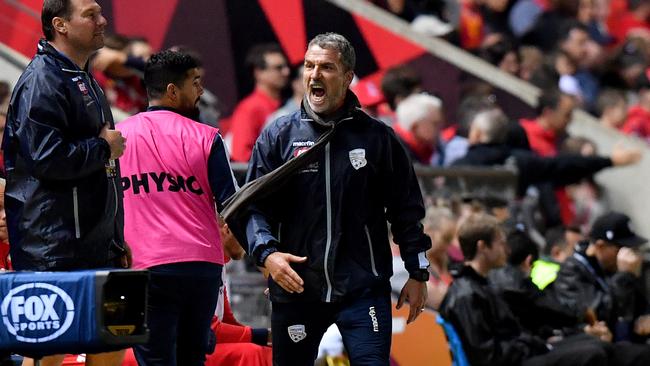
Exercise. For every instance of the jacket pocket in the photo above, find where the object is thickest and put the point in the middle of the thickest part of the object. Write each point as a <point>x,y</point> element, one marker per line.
<point>75,210</point>
<point>372,253</point>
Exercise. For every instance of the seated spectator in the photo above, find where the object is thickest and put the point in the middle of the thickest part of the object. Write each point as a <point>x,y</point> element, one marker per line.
<point>633,21</point>
<point>440,225</point>
<point>419,119</point>
<point>531,60</point>
<point>398,83</point>
<point>538,312</point>
<point>557,249</point>
<point>584,196</point>
<point>270,71</point>
<point>638,116</point>
<point>487,148</point>
<point>604,277</point>
<point>293,103</point>
<point>566,70</point>
<point>612,108</point>
<point>455,136</point>
<point>238,345</point>
<point>626,65</point>
<point>524,15</point>
<point>582,50</point>
<point>554,112</point>
<point>542,314</point>
<point>502,54</point>
<point>591,15</point>
<point>489,332</point>
<point>119,69</point>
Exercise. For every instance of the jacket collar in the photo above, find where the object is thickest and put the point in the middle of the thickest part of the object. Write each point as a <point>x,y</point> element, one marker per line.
<point>470,274</point>
<point>350,106</point>
<point>66,64</point>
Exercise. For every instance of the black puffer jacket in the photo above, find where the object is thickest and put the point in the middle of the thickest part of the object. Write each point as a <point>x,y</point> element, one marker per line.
<point>334,211</point>
<point>539,312</point>
<point>615,298</point>
<point>63,212</point>
<point>490,333</point>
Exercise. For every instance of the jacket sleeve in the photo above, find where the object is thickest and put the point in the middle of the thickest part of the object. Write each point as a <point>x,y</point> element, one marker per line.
<point>628,295</point>
<point>481,343</point>
<point>222,180</point>
<point>575,291</point>
<point>404,206</point>
<point>40,115</point>
<point>560,170</point>
<point>261,241</point>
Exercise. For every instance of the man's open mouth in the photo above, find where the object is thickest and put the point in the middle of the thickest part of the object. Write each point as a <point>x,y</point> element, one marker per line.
<point>317,92</point>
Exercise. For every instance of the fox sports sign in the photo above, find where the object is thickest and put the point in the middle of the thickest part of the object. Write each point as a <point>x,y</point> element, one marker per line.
<point>37,312</point>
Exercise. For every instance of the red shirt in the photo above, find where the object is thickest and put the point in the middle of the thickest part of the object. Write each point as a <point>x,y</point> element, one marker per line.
<point>471,26</point>
<point>423,152</point>
<point>542,141</point>
<point>625,23</point>
<point>247,122</point>
<point>4,257</point>
<point>637,123</point>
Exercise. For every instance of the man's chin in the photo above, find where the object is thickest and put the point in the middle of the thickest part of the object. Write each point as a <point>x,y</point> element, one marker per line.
<point>317,107</point>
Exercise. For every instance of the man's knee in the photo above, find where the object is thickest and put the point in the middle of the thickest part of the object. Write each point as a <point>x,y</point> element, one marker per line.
<point>106,359</point>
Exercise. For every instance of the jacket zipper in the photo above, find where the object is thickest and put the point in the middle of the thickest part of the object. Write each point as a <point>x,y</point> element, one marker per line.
<point>328,195</point>
<point>75,208</point>
<point>372,253</point>
<point>101,112</point>
<point>280,233</point>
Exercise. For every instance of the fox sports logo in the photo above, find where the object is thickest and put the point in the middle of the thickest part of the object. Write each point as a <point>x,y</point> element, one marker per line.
<point>33,313</point>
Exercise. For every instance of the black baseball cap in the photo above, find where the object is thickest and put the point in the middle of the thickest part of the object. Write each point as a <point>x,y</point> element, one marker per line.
<point>614,227</point>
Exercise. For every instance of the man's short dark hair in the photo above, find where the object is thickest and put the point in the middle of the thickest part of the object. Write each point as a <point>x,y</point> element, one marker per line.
<point>550,98</point>
<point>255,59</point>
<point>51,10</point>
<point>555,237</point>
<point>633,5</point>
<point>336,42</point>
<point>475,228</point>
<point>400,81</point>
<point>164,68</point>
<point>608,98</point>
<point>521,246</point>
<point>568,26</point>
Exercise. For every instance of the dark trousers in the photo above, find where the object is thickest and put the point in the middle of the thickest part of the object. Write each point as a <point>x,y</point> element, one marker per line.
<point>365,324</point>
<point>181,302</point>
<point>586,350</point>
<point>578,350</point>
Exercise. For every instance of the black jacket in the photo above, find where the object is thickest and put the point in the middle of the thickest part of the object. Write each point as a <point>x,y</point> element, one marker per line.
<point>334,211</point>
<point>490,333</point>
<point>63,212</point>
<point>538,312</point>
<point>615,298</point>
<point>533,169</point>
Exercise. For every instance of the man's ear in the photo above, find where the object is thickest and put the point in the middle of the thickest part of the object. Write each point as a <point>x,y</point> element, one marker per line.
<point>529,260</point>
<point>59,25</point>
<point>480,245</point>
<point>171,91</point>
<point>348,77</point>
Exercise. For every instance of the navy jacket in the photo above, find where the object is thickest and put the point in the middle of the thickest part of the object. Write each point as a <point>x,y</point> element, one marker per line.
<point>334,211</point>
<point>63,212</point>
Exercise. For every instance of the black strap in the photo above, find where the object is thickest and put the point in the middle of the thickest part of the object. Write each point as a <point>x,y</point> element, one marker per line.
<point>269,183</point>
